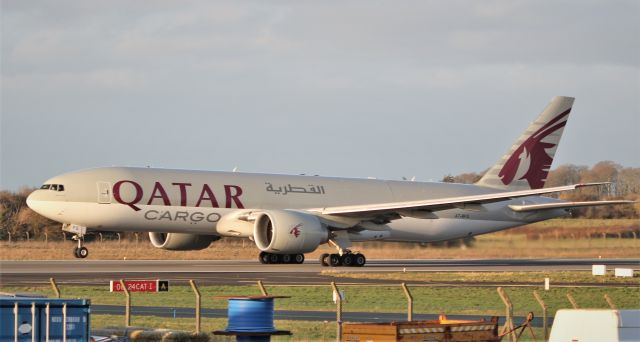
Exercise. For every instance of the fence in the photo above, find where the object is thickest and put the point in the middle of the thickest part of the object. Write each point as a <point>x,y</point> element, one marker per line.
<point>508,329</point>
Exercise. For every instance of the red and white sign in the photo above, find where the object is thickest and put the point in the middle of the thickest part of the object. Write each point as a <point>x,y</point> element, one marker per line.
<point>140,285</point>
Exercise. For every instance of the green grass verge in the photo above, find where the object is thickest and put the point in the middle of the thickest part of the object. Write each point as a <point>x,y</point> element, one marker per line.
<point>301,330</point>
<point>449,299</point>
<point>501,277</point>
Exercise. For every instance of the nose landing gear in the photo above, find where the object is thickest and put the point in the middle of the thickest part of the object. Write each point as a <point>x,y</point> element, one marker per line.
<point>78,232</point>
<point>80,251</point>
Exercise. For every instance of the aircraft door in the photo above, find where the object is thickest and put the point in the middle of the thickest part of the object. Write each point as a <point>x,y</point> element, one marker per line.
<point>104,192</point>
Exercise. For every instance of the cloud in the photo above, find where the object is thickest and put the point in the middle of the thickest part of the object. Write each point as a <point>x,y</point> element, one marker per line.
<point>357,79</point>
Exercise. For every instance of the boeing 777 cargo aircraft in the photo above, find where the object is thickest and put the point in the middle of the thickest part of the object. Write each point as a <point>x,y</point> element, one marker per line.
<point>287,216</point>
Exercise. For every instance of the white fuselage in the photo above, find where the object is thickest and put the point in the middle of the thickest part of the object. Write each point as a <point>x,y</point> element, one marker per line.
<point>183,201</point>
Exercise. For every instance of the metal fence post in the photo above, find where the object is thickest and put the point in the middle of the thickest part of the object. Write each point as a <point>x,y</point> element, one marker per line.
<point>508,324</point>
<point>612,305</point>
<point>545,326</point>
<point>55,287</point>
<point>127,309</point>
<point>572,300</point>
<point>338,312</point>
<point>262,289</point>
<point>409,302</point>
<point>198,301</point>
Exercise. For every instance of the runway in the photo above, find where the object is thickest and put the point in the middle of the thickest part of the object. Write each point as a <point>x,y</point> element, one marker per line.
<point>230,272</point>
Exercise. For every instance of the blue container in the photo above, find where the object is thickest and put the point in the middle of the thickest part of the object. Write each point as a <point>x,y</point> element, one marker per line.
<point>32,318</point>
<point>250,315</point>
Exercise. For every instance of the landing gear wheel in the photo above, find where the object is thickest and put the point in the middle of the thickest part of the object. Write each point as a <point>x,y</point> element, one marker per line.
<point>335,260</point>
<point>298,258</point>
<point>359,260</point>
<point>286,258</point>
<point>264,257</point>
<point>75,252</point>
<point>347,259</point>
<point>274,258</point>
<point>323,259</point>
<point>82,252</point>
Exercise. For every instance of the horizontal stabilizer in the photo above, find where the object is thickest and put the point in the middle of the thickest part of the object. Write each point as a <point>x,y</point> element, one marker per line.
<point>565,205</point>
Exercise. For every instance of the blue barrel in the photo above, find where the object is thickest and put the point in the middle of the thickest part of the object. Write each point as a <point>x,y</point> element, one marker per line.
<point>31,319</point>
<point>250,315</point>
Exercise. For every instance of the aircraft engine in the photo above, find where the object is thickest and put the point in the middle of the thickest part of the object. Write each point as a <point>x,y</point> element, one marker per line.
<point>181,241</point>
<point>288,232</point>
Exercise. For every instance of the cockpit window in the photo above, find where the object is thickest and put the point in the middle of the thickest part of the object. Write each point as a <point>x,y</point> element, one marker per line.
<point>54,187</point>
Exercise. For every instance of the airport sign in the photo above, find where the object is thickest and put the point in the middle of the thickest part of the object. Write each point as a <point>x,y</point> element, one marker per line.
<point>140,285</point>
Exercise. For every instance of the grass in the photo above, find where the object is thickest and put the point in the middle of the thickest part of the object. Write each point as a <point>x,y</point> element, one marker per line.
<point>449,300</point>
<point>532,241</point>
<point>301,330</point>
<point>575,277</point>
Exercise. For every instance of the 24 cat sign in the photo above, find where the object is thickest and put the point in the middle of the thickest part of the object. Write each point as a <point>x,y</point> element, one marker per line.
<point>140,285</point>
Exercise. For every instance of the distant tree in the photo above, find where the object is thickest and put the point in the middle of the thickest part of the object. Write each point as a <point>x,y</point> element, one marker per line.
<point>625,185</point>
<point>465,178</point>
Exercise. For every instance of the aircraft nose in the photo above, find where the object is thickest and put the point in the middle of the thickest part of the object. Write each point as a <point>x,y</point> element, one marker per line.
<point>32,201</point>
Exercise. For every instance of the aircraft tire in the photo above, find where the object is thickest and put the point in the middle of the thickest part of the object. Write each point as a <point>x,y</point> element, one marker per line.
<point>274,258</point>
<point>298,258</point>
<point>286,258</point>
<point>75,252</point>
<point>323,259</point>
<point>335,260</point>
<point>83,252</point>
<point>359,260</point>
<point>264,257</point>
<point>347,260</point>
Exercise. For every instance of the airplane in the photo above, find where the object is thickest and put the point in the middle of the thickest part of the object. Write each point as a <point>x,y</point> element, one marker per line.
<point>290,215</point>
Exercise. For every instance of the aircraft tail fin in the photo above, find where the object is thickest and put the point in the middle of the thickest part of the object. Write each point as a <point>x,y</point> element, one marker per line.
<point>527,163</point>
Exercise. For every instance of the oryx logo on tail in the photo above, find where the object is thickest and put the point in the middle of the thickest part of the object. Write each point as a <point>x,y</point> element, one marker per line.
<point>530,160</point>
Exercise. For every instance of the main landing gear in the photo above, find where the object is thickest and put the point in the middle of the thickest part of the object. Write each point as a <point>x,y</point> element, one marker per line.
<point>270,258</point>
<point>348,259</point>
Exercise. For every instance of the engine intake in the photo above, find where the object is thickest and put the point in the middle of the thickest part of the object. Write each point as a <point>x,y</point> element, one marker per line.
<point>181,241</point>
<point>288,232</point>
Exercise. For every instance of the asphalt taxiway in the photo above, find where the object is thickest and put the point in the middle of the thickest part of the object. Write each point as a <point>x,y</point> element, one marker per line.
<point>230,272</point>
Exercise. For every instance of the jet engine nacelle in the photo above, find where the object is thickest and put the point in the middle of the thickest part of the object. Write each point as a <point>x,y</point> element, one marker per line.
<point>288,232</point>
<point>181,241</point>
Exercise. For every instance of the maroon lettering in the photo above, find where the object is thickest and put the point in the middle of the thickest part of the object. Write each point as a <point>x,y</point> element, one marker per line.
<point>183,192</point>
<point>136,199</point>
<point>233,195</point>
<point>158,192</point>
<point>207,194</point>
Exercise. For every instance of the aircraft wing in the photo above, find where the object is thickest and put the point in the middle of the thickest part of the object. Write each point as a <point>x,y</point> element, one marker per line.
<point>441,203</point>
<point>564,205</point>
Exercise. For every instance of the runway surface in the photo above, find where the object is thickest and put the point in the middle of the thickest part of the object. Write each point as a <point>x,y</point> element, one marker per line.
<point>230,272</point>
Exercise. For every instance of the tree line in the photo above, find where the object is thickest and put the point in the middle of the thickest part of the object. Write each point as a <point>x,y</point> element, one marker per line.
<point>625,184</point>
<point>19,221</point>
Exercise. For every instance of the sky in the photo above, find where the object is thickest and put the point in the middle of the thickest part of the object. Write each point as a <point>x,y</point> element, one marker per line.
<point>382,89</point>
